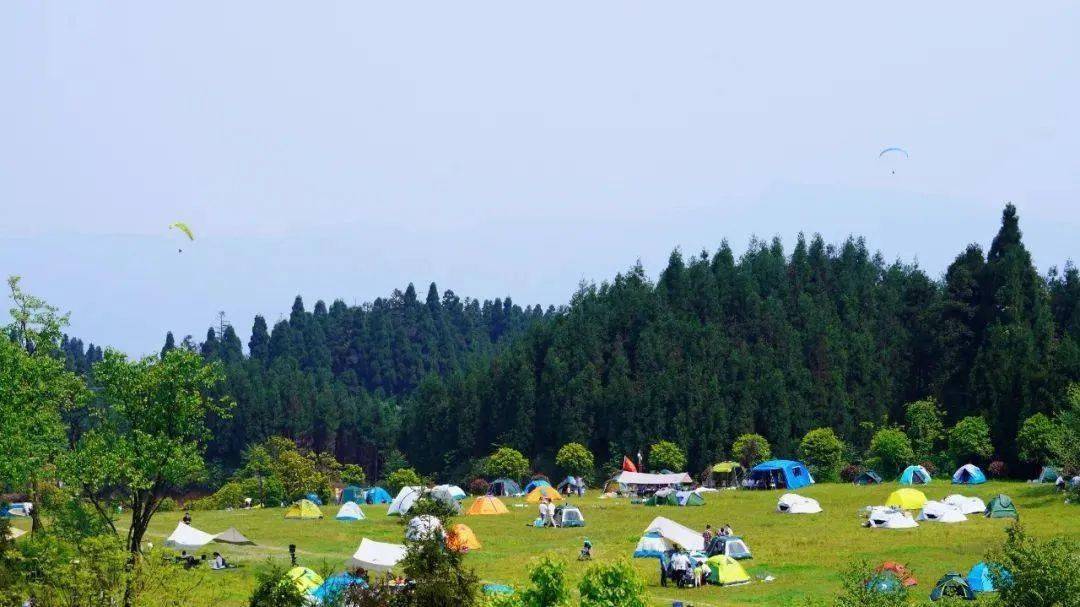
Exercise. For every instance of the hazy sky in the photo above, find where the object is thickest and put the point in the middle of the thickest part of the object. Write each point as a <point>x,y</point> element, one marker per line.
<point>343,150</point>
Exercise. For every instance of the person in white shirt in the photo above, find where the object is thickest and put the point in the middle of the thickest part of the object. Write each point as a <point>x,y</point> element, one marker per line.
<point>218,561</point>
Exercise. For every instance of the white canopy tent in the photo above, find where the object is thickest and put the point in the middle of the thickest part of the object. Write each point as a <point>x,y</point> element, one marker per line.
<point>663,534</point>
<point>405,500</point>
<point>377,556</point>
<point>641,478</point>
<point>185,536</point>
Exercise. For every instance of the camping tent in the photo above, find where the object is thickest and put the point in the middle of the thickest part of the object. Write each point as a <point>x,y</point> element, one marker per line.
<point>352,493</point>
<point>424,527</point>
<point>966,505</point>
<point>614,486</point>
<point>377,495</point>
<point>232,536</point>
<point>941,512</point>
<point>303,509</point>
<point>663,534</point>
<point>350,511</point>
<point>867,478</point>
<point>377,556</point>
<point>980,579</point>
<point>487,504</point>
<point>571,484</point>
<point>571,517</point>
<point>314,498</point>
<point>636,479</point>
<point>334,585</point>
<point>726,474</point>
<point>187,537</point>
<point>952,584</point>
<point>404,501</point>
<point>914,475</point>
<point>885,582</point>
<point>446,496</point>
<point>901,572</point>
<point>533,484</point>
<point>889,518</point>
<point>1048,475</point>
<point>461,538</point>
<point>15,533</point>
<point>304,579</point>
<point>1001,507</point>
<point>725,571</point>
<point>504,487</point>
<point>454,491</point>
<point>543,491</point>
<point>689,498</point>
<point>780,474</point>
<point>730,545</point>
<point>17,509</point>
<point>968,474</point>
<point>791,503</point>
<point>663,497</point>
<point>906,499</point>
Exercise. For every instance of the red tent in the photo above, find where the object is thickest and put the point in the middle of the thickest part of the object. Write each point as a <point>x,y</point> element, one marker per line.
<point>627,465</point>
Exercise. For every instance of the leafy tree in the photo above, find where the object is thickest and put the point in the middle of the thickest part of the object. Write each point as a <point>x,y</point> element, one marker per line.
<point>1037,439</point>
<point>575,459</point>
<point>857,593</point>
<point>403,477</point>
<point>925,427</point>
<point>507,462</point>
<point>548,585</point>
<point>666,455</point>
<point>35,325</point>
<point>274,589</point>
<point>970,438</point>
<point>1039,572</point>
<point>351,474</point>
<point>439,575</point>
<point>614,584</point>
<point>1068,448</point>
<point>890,451</point>
<point>751,450</point>
<point>823,451</point>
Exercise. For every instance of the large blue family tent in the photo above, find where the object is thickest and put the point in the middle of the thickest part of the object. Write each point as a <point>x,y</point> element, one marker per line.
<point>352,493</point>
<point>314,498</point>
<point>914,475</point>
<point>968,474</point>
<point>780,474</point>
<point>536,483</point>
<point>377,495</point>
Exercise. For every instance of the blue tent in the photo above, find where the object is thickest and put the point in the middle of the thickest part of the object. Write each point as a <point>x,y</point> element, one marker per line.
<point>980,580</point>
<point>914,475</point>
<point>352,493</point>
<point>377,495</point>
<point>781,473</point>
<point>314,498</point>
<point>334,586</point>
<point>536,483</point>
<point>968,474</point>
<point>504,487</point>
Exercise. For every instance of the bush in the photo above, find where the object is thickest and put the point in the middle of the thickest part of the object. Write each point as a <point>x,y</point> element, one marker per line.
<point>970,439</point>
<point>823,451</point>
<point>273,589</point>
<point>439,576</point>
<point>478,486</point>
<point>856,593</point>
<point>930,466</point>
<point>1036,439</point>
<point>925,426</point>
<point>850,472</point>
<point>167,504</point>
<point>1040,572</point>
<point>612,585</point>
<point>548,585</point>
<point>575,460</point>
<point>507,462</point>
<point>751,450</point>
<point>997,469</point>
<point>402,477</point>
<point>890,451</point>
<point>666,455</point>
<point>351,474</point>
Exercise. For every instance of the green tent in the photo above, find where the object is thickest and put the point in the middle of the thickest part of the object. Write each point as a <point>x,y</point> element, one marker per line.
<point>689,498</point>
<point>1001,507</point>
<point>664,497</point>
<point>1049,474</point>
<point>952,585</point>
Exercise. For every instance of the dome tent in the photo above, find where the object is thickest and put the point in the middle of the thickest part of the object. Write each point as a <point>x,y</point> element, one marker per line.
<point>952,584</point>
<point>981,580</point>
<point>304,579</point>
<point>966,505</point>
<point>314,498</point>
<point>304,510</point>
<point>941,512</point>
<point>504,487</point>
<point>487,504</point>
<point>726,571</point>
<point>543,491</point>
<point>793,503</point>
<point>404,501</point>
<point>571,517</point>
<point>968,474</point>
<point>906,499</point>
<point>461,538</point>
<point>350,511</point>
<point>352,493</point>
<point>914,475</point>
<point>868,477</point>
<point>377,495</point>
<point>1001,507</point>
<point>533,484</point>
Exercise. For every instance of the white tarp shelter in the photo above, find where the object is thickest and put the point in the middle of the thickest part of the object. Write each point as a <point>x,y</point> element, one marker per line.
<point>966,505</point>
<point>405,500</point>
<point>941,512</point>
<point>793,503</point>
<point>377,556</point>
<point>186,536</point>
<point>641,478</point>
<point>663,534</point>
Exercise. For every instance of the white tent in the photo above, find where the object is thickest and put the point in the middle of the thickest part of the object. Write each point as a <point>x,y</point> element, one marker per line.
<point>20,508</point>
<point>350,511</point>
<point>186,536</point>
<point>663,534</point>
<point>423,527</point>
<point>456,492</point>
<point>377,556</point>
<point>890,518</point>
<point>631,479</point>
<point>941,512</point>
<point>15,533</point>
<point>793,503</point>
<point>405,500</point>
<point>966,505</point>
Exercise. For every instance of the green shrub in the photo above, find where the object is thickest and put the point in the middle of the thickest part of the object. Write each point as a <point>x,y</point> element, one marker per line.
<point>273,589</point>
<point>167,504</point>
<point>612,585</point>
<point>548,585</point>
<point>925,427</point>
<point>823,452</point>
<point>402,477</point>
<point>890,452</point>
<point>751,450</point>
<point>856,593</point>
<point>666,455</point>
<point>1040,573</point>
<point>1036,439</point>
<point>507,462</point>
<point>575,459</point>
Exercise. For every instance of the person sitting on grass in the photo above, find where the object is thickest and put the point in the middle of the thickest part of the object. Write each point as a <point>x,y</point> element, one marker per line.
<point>218,562</point>
<point>586,551</point>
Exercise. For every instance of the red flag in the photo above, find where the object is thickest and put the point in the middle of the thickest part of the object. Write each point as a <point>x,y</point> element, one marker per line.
<point>627,465</point>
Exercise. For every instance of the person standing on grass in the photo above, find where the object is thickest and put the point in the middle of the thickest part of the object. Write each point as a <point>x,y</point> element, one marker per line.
<point>707,535</point>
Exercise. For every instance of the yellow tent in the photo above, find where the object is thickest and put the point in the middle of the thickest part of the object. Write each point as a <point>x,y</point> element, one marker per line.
<point>304,579</point>
<point>724,570</point>
<point>461,538</point>
<point>487,504</point>
<point>906,499</point>
<point>303,509</point>
<point>543,491</point>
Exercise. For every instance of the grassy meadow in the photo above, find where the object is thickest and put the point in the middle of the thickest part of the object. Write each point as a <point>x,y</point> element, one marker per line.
<point>803,552</point>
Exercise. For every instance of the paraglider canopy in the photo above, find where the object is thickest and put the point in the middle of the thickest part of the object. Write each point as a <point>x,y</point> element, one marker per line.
<point>889,153</point>
<point>183,227</point>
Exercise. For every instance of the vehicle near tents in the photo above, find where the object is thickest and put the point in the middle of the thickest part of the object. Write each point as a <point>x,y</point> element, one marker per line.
<point>352,493</point>
<point>952,584</point>
<point>1048,474</point>
<point>313,498</point>
<point>981,580</point>
<point>331,589</point>
<point>543,491</point>
<point>725,474</point>
<point>404,501</point>
<point>187,537</point>
<point>533,484</point>
<point>968,474</point>
<point>1001,506</point>
<point>725,571</point>
<point>350,511</point>
<point>424,527</point>
<point>504,487</point>
<point>780,474</point>
<point>377,495</point>
<point>571,485</point>
<point>664,534</point>
<point>730,545</point>
<point>462,539</point>
<point>303,509</point>
<point>571,517</point>
<point>941,512</point>
<point>906,499</point>
<point>689,498</point>
<point>793,503</point>
<point>966,505</point>
<point>901,572</point>
<point>890,518</point>
<point>487,504</point>
<point>914,475</point>
<point>455,492</point>
<point>234,537</point>
<point>377,556</point>
<point>304,579</point>
<point>868,477</point>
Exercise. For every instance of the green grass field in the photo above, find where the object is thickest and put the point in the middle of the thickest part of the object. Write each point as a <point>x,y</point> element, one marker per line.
<point>803,552</point>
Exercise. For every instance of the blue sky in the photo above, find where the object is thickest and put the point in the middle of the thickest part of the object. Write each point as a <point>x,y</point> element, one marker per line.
<point>345,149</point>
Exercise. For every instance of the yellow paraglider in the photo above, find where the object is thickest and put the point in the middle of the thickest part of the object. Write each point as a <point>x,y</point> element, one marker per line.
<point>183,227</point>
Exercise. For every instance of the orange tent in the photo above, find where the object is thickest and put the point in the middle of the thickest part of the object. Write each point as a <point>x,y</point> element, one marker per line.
<point>487,504</point>
<point>462,539</point>
<point>899,570</point>
<point>627,465</point>
<point>543,491</point>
